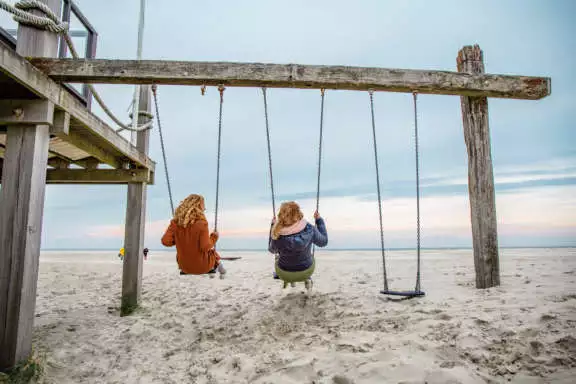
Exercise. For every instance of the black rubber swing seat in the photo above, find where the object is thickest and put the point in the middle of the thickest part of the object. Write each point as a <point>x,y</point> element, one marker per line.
<point>409,294</point>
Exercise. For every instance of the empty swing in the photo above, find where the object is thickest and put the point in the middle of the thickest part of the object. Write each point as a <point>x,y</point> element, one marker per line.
<point>386,291</point>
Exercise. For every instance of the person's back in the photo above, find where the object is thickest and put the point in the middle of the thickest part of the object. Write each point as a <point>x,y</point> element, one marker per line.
<point>294,244</point>
<point>188,230</point>
<point>291,238</point>
<point>192,246</point>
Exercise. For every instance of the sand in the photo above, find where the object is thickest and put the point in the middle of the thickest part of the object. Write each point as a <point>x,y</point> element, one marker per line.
<point>246,329</point>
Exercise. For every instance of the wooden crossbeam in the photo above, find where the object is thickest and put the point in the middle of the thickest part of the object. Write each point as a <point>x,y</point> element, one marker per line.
<point>16,112</point>
<point>98,176</point>
<point>19,69</point>
<point>292,76</point>
<point>95,176</point>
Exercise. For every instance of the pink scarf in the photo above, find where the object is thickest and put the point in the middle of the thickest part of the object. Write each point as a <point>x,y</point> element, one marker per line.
<point>294,228</point>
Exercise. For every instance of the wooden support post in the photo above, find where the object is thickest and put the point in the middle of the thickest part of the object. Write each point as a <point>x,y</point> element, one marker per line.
<point>480,175</point>
<point>21,208</point>
<point>61,123</point>
<point>135,220</point>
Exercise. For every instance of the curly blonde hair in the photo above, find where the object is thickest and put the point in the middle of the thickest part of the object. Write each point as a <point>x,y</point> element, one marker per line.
<point>190,210</point>
<point>288,214</point>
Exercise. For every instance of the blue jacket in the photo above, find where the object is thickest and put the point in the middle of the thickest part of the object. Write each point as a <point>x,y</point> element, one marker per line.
<point>295,250</point>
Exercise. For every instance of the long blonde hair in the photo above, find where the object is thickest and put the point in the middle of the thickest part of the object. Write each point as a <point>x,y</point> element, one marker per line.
<point>190,210</point>
<point>288,214</point>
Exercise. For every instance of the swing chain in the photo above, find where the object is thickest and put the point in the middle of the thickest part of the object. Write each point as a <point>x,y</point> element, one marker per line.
<point>221,89</point>
<point>415,98</point>
<point>371,93</point>
<point>322,93</point>
<point>269,151</point>
<point>154,88</point>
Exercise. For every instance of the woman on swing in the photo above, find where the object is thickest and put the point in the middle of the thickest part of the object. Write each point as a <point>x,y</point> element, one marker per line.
<point>291,237</point>
<point>188,230</point>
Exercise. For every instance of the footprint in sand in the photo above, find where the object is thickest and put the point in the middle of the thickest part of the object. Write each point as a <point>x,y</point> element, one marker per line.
<point>547,317</point>
<point>340,379</point>
<point>568,343</point>
<point>444,317</point>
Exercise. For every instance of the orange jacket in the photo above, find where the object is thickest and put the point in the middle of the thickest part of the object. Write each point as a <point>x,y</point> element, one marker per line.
<point>194,247</point>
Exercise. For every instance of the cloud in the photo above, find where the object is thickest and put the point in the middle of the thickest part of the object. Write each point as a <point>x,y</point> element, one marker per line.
<point>525,135</point>
<point>542,212</point>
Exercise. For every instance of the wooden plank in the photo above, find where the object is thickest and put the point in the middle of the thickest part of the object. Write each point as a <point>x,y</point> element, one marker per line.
<point>81,143</point>
<point>21,210</point>
<point>480,176</point>
<point>98,176</point>
<point>293,76</point>
<point>15,112</point>
<point>20,70</point>
<point>135,220</point>
<point>67,150</point>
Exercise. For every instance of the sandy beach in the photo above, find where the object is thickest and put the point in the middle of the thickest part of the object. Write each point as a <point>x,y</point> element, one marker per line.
<point>246,329</point>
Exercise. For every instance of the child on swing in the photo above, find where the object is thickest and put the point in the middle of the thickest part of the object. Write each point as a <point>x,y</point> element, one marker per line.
<point>188,230</point>
<point>291,237</point>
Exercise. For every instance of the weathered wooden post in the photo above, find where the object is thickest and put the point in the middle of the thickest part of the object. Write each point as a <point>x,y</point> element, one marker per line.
<point>135,219</point>
<point>480,175</point>
<point>22,204</point>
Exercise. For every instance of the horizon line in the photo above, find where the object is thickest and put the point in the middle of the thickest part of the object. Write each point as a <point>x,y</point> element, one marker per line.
<point>331,249</point>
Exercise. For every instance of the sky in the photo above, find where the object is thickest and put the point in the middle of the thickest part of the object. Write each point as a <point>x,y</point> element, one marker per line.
<point>533,142</point>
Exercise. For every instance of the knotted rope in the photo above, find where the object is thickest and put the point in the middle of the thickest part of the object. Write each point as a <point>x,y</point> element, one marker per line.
<point>22,12</point>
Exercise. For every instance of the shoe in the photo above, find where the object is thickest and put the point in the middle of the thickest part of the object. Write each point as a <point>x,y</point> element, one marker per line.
<point>275,275</point>
<point>308,284</point>
<point>221,270</point>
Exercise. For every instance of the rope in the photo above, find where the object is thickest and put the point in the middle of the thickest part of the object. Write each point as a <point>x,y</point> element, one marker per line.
<point>21,11</point>
<point>415,96</point>
<point>154,87</point>
<point>269,151</point>
<point>221,90</point>
<point>371,93</point>
<point>51,22</point>
<point>322,92</point>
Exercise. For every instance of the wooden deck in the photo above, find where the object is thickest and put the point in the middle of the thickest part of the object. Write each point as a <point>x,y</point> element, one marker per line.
<point>83,148</point>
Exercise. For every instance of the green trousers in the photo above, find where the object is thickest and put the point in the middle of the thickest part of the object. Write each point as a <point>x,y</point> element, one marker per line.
<point>295,277</point>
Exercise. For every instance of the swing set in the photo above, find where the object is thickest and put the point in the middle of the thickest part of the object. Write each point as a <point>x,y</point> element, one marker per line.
<point>44,129</point>
<point>386,290</point>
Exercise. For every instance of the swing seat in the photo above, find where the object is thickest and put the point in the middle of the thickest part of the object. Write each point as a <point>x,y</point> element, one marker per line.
<point>295,277</point>
<point>407,294</point>
<point>213,272</point>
